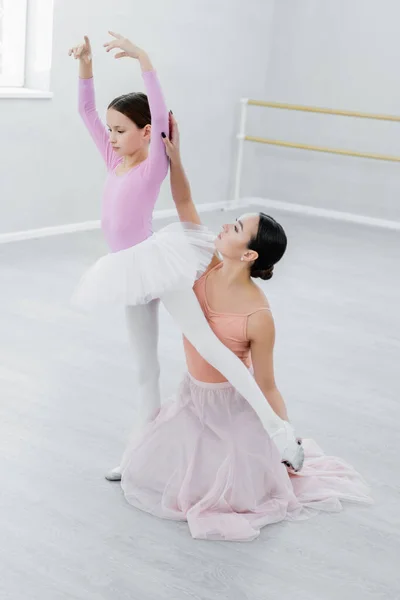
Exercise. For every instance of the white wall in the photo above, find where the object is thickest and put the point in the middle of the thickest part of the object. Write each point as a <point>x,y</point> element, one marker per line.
<point>337,54</point>
<point>208,53</point>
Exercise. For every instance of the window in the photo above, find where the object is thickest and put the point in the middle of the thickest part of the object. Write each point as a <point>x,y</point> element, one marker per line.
<point>26,30</point>
<point>13,15</point>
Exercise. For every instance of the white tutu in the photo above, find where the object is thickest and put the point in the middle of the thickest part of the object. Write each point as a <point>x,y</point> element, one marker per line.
<point>171,259</point>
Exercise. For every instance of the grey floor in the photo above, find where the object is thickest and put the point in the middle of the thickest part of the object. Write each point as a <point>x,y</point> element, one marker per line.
<point>67,400</point>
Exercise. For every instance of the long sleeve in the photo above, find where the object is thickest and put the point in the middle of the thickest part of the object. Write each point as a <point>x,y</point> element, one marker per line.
<point>157,167</point>
<point>96,128</point>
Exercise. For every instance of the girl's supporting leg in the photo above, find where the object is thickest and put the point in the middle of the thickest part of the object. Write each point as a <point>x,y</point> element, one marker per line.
<point>142,323</point>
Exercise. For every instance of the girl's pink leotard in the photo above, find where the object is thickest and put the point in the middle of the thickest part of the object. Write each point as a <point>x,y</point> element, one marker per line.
<point>129,199</point>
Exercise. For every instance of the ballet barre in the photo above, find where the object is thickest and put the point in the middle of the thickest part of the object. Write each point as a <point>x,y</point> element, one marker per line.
<point>242,137</point>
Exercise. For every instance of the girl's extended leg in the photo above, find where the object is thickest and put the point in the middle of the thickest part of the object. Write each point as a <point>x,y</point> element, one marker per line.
<point>186,311</point>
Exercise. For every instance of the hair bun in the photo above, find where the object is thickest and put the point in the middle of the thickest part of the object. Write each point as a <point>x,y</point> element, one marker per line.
<point>264,274</point>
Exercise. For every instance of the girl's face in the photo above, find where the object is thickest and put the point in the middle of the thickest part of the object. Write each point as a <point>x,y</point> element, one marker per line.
<point>234,238</point>
<point>125,136</point>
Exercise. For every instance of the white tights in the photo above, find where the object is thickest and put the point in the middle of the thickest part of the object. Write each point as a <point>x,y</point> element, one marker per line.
<point>142,323</point>
<point>186,311</point>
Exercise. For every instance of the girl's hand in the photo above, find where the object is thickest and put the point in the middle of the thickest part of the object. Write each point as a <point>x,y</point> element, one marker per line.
<point>172,142</point>
<point>127,47</point>
<point>82,52</point>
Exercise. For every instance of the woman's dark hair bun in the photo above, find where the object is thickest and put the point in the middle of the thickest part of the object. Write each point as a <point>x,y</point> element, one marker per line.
<point>270,244</point>
<point>264,274</point>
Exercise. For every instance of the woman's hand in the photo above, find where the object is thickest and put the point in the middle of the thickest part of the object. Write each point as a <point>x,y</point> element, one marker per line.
<point>128,49</point>
<point>82,52</point>
<point>171,143</point>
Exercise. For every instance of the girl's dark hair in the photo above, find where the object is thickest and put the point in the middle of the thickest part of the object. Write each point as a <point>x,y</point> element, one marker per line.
<point>135,106</point>
<point>270,244</point>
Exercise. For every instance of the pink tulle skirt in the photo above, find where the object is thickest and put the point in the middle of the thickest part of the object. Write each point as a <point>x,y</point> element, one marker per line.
<point>207,460</point>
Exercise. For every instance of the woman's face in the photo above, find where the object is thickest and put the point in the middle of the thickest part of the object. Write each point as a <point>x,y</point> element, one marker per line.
<point>234,238</point>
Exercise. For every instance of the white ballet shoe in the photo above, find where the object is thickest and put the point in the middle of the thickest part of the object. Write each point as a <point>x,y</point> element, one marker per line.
<point>114,474</point>
<point>290,448</point>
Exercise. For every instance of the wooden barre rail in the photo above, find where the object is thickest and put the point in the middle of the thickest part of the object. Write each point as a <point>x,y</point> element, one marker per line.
<point>259,140</point>
<point>324,111</point>
<point>242,137</point>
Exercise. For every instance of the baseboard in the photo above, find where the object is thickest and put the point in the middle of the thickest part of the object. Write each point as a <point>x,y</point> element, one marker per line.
<point>167,213</point>
<point>31,234</point>
<point>323,212</point>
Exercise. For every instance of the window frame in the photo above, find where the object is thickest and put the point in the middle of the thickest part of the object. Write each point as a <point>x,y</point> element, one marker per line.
<point>14,38</point>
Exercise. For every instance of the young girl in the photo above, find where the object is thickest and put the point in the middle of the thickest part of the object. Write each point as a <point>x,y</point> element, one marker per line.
<point>143,267</point>
<point>206,458</point>
<point>132,186</point>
